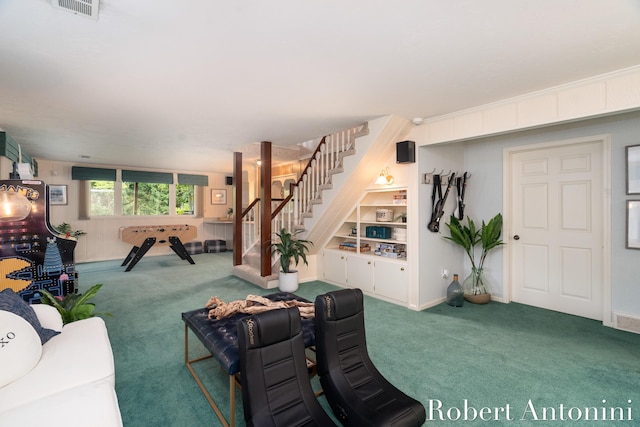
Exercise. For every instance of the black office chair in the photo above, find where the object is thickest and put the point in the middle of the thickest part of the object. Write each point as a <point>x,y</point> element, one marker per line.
<point>276,390</point>
<point>357,392</point>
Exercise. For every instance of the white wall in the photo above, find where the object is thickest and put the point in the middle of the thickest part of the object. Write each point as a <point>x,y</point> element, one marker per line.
<point>102,241</point>
<point>484,194</point>
<point>435,252</point>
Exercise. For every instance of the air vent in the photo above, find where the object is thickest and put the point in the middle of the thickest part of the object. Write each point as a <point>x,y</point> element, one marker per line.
<point>86,8</point>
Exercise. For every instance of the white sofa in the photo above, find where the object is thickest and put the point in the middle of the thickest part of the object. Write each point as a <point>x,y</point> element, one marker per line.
<point>73,382</point>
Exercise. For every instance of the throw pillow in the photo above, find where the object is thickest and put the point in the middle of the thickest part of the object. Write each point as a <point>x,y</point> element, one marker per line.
<point>48,316</point>
<point>11,302</point>
<point>20,347</point>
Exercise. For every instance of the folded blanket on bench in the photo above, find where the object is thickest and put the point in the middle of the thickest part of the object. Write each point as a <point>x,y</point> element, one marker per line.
<point>253,304</point>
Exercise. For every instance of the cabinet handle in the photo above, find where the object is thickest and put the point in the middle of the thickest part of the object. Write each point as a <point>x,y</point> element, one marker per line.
<point>341,257</point>
<point>401,268</point>
<point>369,262</point>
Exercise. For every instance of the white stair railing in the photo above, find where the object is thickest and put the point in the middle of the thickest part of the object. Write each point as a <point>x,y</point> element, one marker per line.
<point>325,161</point>
<point>289,213</point>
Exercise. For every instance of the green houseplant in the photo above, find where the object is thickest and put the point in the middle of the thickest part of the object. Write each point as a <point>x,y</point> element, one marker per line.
<point>74,307</point>
<point>66,229</point>
<point>487,237</point>
<point>291,250</point>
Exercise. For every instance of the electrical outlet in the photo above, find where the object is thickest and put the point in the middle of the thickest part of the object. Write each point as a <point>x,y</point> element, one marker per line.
<point>445,273</point>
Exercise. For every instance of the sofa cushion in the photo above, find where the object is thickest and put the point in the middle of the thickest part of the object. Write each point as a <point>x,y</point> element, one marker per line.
<point>10,301</point>
<point>80,355</point>
<point>48,316</point>
<point>20,347</point>
<point>94,405</point>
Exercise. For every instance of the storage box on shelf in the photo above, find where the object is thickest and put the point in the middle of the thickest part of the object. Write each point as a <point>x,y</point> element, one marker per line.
<point>369,249</point>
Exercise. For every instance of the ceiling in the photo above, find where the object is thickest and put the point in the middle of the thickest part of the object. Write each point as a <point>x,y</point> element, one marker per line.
<point>180,85</point>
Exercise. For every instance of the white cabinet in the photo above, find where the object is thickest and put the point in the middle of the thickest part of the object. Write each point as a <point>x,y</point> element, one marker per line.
<point>360,273</point>
<point>335,267</point>
<point>368,251</point>
<point>392,280</point>
<point>374,275</point>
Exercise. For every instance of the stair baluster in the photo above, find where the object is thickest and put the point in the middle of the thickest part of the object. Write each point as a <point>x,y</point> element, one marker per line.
<point>289,213</point>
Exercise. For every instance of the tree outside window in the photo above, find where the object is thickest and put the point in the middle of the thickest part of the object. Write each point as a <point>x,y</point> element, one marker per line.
<point>185,199</point>
<point>102,198</point>
<point>140,198</point>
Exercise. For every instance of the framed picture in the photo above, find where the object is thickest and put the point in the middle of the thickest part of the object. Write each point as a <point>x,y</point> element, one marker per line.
<point>633,224</point>
<point>633,169</point>
<point>57,194</point>
<point>218,197</point>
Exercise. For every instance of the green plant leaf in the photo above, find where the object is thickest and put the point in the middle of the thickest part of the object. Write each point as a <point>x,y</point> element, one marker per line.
<point>290,248</point>
<point>49,299</point>
<point>89,294</point>
<point>83,311</point>
<point>468,236</point>
<point>73,306</point>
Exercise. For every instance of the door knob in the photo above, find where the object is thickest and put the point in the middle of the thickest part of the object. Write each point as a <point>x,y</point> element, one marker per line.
<point>516,237</point>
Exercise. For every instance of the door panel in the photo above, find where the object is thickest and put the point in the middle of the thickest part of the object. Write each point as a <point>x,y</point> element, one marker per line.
<point>556,206</point>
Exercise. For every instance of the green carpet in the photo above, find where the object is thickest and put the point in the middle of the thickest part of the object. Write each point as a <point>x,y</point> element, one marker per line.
<point>525,366</point>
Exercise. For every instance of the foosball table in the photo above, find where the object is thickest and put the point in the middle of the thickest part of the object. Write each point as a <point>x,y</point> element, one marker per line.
<point>144,237</point>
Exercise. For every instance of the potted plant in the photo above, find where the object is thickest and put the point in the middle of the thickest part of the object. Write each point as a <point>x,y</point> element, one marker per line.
<point>291,251</point>
<point>73,306</point>
<point>66,229</point>
<point>475,286</point>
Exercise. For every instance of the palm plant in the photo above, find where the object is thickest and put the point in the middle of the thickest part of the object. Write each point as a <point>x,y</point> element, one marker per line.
<point>468,237</point>
<point>290,248</point>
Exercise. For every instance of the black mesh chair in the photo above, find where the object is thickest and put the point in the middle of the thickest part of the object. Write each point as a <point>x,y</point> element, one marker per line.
<point>276,390</point>
<point>358,394</point>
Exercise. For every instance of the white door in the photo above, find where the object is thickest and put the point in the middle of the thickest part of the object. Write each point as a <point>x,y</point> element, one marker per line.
<point>557,233</point>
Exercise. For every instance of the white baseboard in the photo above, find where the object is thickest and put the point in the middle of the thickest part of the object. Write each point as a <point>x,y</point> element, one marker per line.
<point>432,303</point>
<point>627,322</point>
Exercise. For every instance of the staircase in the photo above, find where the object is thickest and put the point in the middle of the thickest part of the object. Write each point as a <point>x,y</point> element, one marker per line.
<point>290,213</point>
<point>337,173</point>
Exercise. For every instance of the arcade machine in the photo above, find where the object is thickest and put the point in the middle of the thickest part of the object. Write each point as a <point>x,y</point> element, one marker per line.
<point>33,255</point>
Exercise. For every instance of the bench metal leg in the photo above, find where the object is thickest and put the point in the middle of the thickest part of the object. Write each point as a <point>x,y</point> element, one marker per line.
<point>205,392</point>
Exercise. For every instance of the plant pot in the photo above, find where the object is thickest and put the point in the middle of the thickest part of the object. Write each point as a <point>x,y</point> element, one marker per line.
<point>476,287</point>
<point>288,282</point>
<point>478,299</point>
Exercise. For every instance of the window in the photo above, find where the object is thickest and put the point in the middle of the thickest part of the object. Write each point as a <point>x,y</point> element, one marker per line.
<point>137,193</point>
<point>185,198</point>
<point>102,198</point>
<point>141,198</point>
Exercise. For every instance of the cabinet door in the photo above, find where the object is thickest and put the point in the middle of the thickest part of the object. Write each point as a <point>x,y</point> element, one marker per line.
<point>335,267</point>
<point>391,280</point>
<point>360,273</point>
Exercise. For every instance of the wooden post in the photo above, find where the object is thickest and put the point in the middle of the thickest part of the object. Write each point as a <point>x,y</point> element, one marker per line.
<point>237,208</point>
<point>265,212</point>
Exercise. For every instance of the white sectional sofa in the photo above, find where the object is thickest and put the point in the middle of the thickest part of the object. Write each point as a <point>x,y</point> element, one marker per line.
<point>72,382</point>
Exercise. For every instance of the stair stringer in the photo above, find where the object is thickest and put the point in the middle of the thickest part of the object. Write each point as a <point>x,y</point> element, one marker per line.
<point>360,170</point>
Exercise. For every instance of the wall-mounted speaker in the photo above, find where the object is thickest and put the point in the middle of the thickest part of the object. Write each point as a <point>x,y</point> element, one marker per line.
<point>405,152</point>
<point>228,180</point>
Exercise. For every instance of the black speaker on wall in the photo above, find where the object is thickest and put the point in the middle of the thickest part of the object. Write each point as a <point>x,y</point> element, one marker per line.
<point>405,152</point>
<point>228,180</point>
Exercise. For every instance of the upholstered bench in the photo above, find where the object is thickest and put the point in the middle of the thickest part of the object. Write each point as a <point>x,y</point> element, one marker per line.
<point>220,338</point>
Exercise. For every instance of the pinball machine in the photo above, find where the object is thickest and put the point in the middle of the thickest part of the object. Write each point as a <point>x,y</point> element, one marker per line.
<point>33,255</point>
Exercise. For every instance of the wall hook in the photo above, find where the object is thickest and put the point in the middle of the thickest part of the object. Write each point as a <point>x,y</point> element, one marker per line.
<point>427,178</point>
